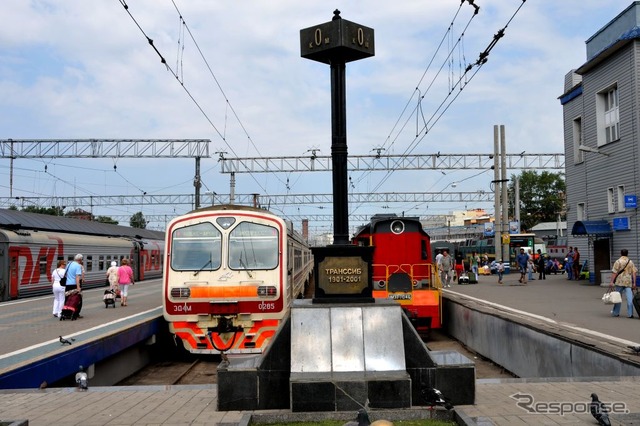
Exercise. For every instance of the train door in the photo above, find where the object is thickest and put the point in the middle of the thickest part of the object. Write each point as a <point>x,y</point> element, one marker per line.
<point>136,262</point>
<point>14,272</point>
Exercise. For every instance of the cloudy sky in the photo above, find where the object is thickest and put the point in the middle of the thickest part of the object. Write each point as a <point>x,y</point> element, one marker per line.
<point>77,69</point>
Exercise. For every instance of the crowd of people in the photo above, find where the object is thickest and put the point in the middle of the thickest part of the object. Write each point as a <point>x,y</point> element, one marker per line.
<point>67,279</point>
<point>623,278</point>
<point>528,265</point>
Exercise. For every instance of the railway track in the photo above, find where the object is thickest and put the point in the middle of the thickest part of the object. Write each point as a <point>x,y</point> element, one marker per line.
<point>202,370</point>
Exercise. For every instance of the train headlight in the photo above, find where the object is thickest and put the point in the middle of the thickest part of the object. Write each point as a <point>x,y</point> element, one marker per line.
<point>180,292</point>
<point>267,291</point>
<point>397,227</point>
<point>381,284</point>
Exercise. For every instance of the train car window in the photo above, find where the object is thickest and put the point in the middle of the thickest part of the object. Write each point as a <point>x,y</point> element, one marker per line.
<point>197,247</point>
<point>101,263</point>
<point>89,263</point>
<point>43,265</point>
<point>253,246</point>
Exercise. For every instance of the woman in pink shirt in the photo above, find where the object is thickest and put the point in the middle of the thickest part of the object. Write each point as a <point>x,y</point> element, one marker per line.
<point>125,279</point>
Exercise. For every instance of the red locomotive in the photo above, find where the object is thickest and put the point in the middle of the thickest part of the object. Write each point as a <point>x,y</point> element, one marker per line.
<point>402,267</point>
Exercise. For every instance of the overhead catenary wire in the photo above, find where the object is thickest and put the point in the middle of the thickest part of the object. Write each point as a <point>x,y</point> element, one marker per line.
<point>462,82</point>
<point>189,93</point>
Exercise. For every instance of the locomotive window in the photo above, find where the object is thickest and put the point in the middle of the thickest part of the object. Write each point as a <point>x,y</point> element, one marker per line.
<point>253,246</point>
<point>196,248</point>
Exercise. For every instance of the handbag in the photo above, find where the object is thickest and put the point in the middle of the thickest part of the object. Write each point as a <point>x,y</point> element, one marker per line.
<point>63,280</point>
<point>611,297</point>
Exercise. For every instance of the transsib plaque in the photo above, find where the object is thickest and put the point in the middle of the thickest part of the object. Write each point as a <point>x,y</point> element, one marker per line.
<point>342,274</point>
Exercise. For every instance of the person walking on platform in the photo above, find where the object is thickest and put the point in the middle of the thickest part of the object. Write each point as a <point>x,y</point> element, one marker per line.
<point>500,271</point>
<point>624,278</point>
<point>530,266</point>
<point>75,277</point>
<point>445,266</point>
<point>568,263</point>
<point>125,279</point>
<point>112,276</point>
<point>459,265</point>
<point>542,265</point>
<point>75,274</point>
<point>475,260</point>
<point>576,264</point>
<point>523,261</point>
<point>58,289</point>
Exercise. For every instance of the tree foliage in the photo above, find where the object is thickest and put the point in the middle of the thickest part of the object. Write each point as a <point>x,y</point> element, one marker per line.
<point>106,219</point>
<point>542,197</point>
<point>52,211</point>
<point>138,221</point>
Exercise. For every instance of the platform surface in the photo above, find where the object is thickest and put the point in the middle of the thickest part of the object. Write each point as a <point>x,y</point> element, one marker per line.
<point>29,322</point>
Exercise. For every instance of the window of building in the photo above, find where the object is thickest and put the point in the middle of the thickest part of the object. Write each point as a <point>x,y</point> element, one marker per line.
<point>621,207</point>
<point>578,156</point>
<point>580,211</point>
<point>608,116</point>
<point>611,206</point>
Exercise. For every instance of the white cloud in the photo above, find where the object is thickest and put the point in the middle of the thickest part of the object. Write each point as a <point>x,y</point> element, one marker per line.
<point>79,69</point>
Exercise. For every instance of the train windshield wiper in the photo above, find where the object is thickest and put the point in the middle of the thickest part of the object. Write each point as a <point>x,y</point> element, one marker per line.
<point>209,262</point>
<point>245,266</point>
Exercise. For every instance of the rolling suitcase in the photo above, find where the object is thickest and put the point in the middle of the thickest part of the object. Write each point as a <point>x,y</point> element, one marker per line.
<point>72,306</point>
<point>473,278</point>
<point>463,279</point>
<point>109,298</point>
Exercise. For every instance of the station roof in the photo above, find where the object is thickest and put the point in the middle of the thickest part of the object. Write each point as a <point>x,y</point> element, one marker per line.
<point>591,228</point>
<point>16,220</point>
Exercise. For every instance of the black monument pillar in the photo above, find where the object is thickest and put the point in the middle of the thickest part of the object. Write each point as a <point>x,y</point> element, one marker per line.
<point>341,270</point>
<point>335,43</point>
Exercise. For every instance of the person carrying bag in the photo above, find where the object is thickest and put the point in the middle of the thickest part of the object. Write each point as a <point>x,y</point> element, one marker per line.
<point>624,279</point>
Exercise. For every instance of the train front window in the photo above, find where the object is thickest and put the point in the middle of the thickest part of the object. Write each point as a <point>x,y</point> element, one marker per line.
<point>253,246</point>
<point>196,248</point>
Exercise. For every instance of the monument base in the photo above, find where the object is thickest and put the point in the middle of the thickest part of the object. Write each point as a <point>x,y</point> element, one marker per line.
<point>349,391</point>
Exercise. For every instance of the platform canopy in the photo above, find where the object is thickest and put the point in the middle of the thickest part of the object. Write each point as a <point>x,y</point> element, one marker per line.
<point>591,228</point>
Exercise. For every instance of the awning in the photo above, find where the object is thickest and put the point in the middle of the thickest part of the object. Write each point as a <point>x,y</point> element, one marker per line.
<point>591,228</point>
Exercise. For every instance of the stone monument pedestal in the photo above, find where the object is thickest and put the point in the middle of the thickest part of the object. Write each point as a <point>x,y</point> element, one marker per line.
<point>345,356</point>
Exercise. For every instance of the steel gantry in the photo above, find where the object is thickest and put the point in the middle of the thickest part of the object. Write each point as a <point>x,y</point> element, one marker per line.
<point>244,199</point>
<point>107,148</point>
<point>317,163</point>
<point>359,218</point>
<point>104,148</point>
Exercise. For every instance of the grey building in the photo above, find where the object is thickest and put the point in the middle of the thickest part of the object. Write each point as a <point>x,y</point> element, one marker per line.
<point>601,107</point>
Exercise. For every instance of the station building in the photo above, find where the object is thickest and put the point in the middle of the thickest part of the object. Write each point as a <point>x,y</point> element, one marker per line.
<point>601,111</point>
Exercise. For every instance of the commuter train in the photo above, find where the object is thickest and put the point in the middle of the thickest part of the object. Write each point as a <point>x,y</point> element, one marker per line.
<point>231,274</point>
<point>402,267</point>
<point>31,245</point>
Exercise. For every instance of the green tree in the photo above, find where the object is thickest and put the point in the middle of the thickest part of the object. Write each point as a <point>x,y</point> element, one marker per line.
<point>542,197</point>
<point>52,211</point>
<point>106,219</point>
<point>138,221</point>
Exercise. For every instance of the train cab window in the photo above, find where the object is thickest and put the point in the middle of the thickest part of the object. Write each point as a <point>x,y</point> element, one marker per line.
<point>253,246</point>
<point>196,248</point>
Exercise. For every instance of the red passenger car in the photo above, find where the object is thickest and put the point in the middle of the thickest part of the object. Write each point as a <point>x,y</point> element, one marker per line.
<point>402,267</point>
